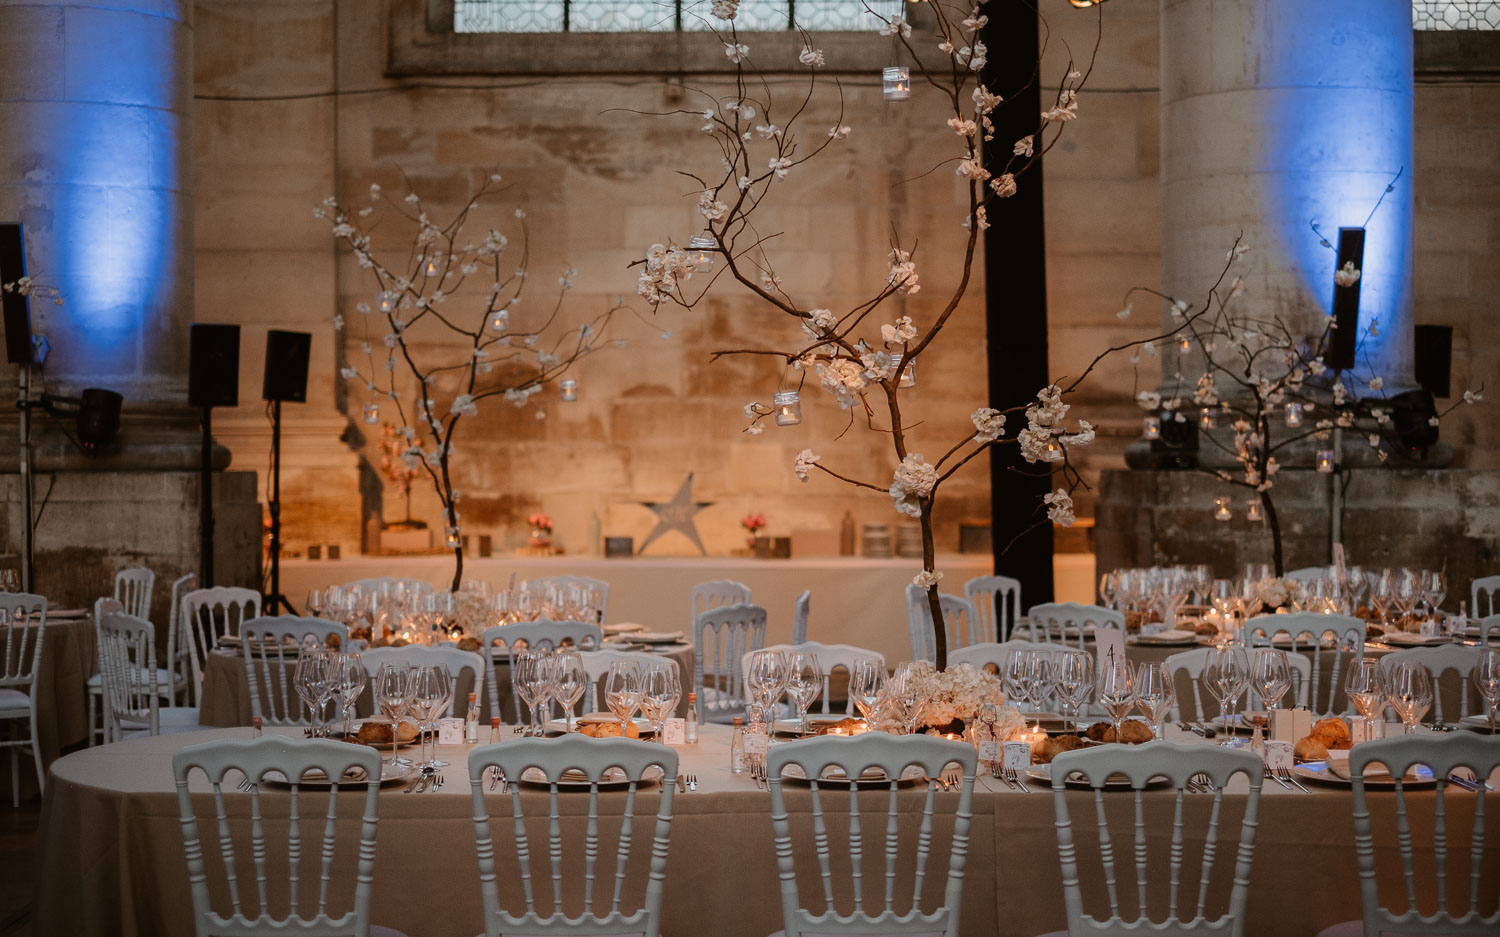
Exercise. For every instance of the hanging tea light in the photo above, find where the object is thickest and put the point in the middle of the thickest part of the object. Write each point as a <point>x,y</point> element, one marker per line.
<point>701,250</point>
<point>896,80</point>
<point>908,376</point>
<point>372,413</point>
<point>1324,461</point>
<point>1185,345</point>
<point>430,268</point>
<point>1253,510</point>
<point>453,536</point>
<point>1208,418</point>
<point>569,389</point>
<point>499,320</point>
<point>1222,511</point>
<point>1151,427</point>
<point>1293,414</point>
<point>386,301</point>
<point>788,407</point>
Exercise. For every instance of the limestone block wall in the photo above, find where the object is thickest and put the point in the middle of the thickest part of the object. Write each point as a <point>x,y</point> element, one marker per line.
<point>598,185</point>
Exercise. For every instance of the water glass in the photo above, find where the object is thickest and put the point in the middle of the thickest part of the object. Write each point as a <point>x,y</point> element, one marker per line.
<point>622,690</point>
<point>1363,687</point>
<point>1116,689</point>
<point>394,686</point>
<point>1409,692</point>
<point>569,681</point>
<point>1155,694</point>
<point>1486,679</point>
<point>1273,676</point>
<point>866,685</point>
<point>804,684</point>
<point>660,693</point>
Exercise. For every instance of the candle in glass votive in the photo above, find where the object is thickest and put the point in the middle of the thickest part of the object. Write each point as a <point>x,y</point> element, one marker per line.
<point>1325,461</point>
<point>788,407</point>
<point>1294,414</point>
<point>1253,510</point>
<point>896,83</point>
<point>1222,511</point>
<point>1034,737</point>
<point>568,389</point>
<point>1151,427</point>
<point>1208,417</point>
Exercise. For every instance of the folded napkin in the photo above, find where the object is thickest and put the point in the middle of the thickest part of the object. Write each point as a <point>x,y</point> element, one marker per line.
<point>1374,771</point>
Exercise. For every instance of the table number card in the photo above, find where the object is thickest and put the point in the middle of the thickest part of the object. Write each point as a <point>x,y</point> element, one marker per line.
<point>450,731</point>
<point>756,744</point>
<point>674,732</point>
<point>1278,755</point>
<point>1017,756</point>
<point>1107,642</point>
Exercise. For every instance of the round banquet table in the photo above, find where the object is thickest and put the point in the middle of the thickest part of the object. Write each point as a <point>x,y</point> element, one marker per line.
<point>112,860</point>
<point>225,700</point>
<point>68,660</point>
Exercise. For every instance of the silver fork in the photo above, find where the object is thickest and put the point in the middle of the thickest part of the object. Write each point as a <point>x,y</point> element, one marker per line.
<point>692,782</point>
<point>1277,778</point>
<point>1286,775</point>
<point>996,772</point>
<point>439,782</point>
<point>1014,776</point>
<point>952,778</point>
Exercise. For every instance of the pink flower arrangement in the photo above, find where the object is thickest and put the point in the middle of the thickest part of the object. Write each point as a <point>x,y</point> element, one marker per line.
<point>541,522</point>
<point>753,522</point>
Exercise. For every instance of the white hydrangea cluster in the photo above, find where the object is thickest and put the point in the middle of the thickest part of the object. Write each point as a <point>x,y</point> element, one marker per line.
<point>665,268</point>
<point>914,479</point>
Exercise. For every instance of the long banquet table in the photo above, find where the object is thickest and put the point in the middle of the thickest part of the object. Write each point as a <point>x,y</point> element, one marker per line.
<point>112,857</point>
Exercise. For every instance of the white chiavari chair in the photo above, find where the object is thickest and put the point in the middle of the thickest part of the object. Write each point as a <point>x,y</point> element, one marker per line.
<point>1488,589</point>
<point>23,621</point>
<point>1439,662</point>
<point>539,843</point>
<point>270,647</point>
<point>799,616</point>
<point>224,905</point>
<point>721,637</point>
<point>499,645</point>
<point>1067,622</point>
<point>1180,765</point>
<point>997,605</point>
<point>133,692</point>
<point>133,588</point>
<point>716,593</point>
<point>1190,664</point>
<point>901,836</point>
<point>958,621</point>
<point>1306,630</point>
<point>206,615</point>
<point>831,657</point>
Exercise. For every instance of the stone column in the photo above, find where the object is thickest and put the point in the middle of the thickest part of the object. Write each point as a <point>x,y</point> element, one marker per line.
<point>1281,114</point>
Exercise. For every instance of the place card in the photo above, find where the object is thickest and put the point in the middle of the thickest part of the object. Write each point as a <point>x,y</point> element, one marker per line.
<point>674,731</point>
<point>1017,756</point>
<point>1362,731</point>
<point>989,750</point>
<point>1278,755</point>
<point>1429,628</point>
<point>450,731</point>
<point>1289,725</point>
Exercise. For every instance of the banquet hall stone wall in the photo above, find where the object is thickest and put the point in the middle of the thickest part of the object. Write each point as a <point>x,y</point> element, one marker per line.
<point>596,179</point>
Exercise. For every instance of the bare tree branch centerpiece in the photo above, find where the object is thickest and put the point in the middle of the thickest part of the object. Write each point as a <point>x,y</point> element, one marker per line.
<point>863,356</point>
<point>454,336</point>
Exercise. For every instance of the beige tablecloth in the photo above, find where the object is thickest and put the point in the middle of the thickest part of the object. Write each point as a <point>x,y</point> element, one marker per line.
<point>68,660</point>
<point>112,857</point>
<point>226,690</point>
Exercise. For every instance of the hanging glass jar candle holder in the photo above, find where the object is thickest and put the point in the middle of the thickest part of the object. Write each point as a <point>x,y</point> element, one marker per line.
<point>788,407</point>
<point>453,536</point>
<point>701,250</point>
<point>1293,415</point>
<point>1324,461</point>
<point>1151,427</point>
<point>896,82</point>
<point>386,300</point>
<point>1253,510</point>
<point>372,413</point>
<point>499,320</point>
<point>1222,510</point>
<point>908,375</point>
<point>568,389</point>
<point>1185,345</point>
<point>430,266</point>
<point>1208,418</point>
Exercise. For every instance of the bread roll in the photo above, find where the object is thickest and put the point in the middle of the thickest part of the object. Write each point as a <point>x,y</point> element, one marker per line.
<point>1132,732</point>
<point>1333,732</point>
<point>379,733</point>
<point>608,730</point>
<point>1045,752</point>
<point>1308,748</point>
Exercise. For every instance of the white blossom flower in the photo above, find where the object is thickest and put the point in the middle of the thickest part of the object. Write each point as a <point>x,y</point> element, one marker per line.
<point>1049,409</point>
<point>338,321</point>
<point>879,365</point>
<point>1236,252</point>
<point>975,22</point>
<point>1148,400</point>
<point>1024,146</point>
<point>803,463</point>
<point>962,126</point>
<point>1346,275</point>
<point>899,333</point>
<point>896,24</point>
<point>1083,437</point>
<point>984,100</point>
<point>374,191</point>
<point>736,52</point>
<point>1060,508</point>
<point>811,56</point>
<point>709,207</point>
<point>927,578</point>
<point>1125,312</point>
<point>914,479</point>
<point>819,322</point>
<point>1377,382</point>
<point>1003,185</point>
<point>844,379</point>
<point>411,198</point>
<point>989,424</point>
<point>463,405</point>
<point>971,169</point>
<point>973,57</point>
<point>838,131</point>
<point>348,374</point>
<point>725,9</point>
<point>903,273</point>
<point>781,165</point>
<point>755,429</point>
<point>520,213</point>
<point>1472,397</point>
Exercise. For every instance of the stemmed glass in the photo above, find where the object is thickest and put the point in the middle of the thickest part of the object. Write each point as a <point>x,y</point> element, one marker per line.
<point>1486,678</point>
<point>1044,684</point>
<point>903,691</point>
<point>1116,689</point>
<point>1021,672</point>
<point>314,602</point>
<point>867,684</point>
<point>394,686</point>
<point>1221,596</point>
<point>660,692</point>
<point>804,684</point>
<point>1434,591</point>
<point>569,680</point>
<point>428,696</point>
<point>1273,676</point>
<point>622,690</point>
<point>1107,585</point>
<point>767,677</point>
<point>1227,675</point>
<point>1075,678</point>
<point>530,678</point>
<point>1155,694</point>
<point>351,683</point>
<point>308,677</point>
<point>1363,687</point>
<point>1409,692</point>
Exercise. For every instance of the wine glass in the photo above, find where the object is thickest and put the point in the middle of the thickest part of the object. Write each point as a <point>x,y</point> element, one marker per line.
<point>1221,595</point>
<point>1075,678</point>
<point>530,678</point>
<point>315,602</point>
<point>307,676</point>
<point>1410,692</point>
<point>804,684</point>
<point>427,698</point>
<point>570,679</point>
<point>1107,585</point>
<point>351,683</point>
<point>1116,689</point>
<point>1155,694</point>
<point>1227,674</point>
<point>1486,678</point>
<point>622,690</point>
<point>394,686</point>
<point>1273,676</point>
<point>660,692</point>
<point>866,685</point>
<point>903,693</point>
<point>1363,687</point>
<point>1020,673</point>
<point>767,677</point>
<point>1434,590</point>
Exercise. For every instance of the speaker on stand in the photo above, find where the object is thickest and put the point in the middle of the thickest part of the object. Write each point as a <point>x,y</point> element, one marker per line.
<point>18,351</point>
<point>287,354</point>
<point>213,381</point>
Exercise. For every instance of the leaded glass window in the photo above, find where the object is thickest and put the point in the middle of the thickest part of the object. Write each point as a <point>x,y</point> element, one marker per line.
<point>1455,14</point>
<point>644,16</point>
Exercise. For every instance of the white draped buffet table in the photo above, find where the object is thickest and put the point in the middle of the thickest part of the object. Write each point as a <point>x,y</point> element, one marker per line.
<point>112,860</point>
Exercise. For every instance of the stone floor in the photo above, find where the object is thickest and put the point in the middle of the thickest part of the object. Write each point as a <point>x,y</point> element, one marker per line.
<point>18,853</point>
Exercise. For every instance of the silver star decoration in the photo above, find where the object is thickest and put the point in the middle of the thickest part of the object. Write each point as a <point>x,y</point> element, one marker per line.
<point>677,515</point>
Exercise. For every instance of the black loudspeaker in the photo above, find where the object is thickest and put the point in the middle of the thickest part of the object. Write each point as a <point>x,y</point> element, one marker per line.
<point>17,310</point>
<point>1411,414</point>
<point>1340,353</point>
<point>98,417</point>
<point>213,365</point>
<point>286,365</point>
<point>1177,448</point>
<point>1433,350</point>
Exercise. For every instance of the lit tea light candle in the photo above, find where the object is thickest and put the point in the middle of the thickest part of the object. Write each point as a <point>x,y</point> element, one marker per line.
<point>1253,510</point>
<point>788,407</point>
<point>1208,418</point>
<point>1294,414</point>
<point>896,83</point>
<point>1035,737</point>
<point>1325,461</point>
<point>1222,511</point>
<point>1151,427</point>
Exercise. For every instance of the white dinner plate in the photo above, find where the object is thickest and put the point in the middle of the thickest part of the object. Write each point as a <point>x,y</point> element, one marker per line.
<point>1115,782</point>
<point>623,627</point>
<point>1319,771</point>
<point>642,724</point>
<point>317,780</point>
<point>1172,638</point>
<point>614,780</point>
<point>834,775</point>
<point>657,637</point>
<point>1410,639</point>
<point>794,727</point>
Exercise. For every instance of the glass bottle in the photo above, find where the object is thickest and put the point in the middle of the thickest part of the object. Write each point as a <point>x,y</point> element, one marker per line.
<point>690,729</point>
<point>738,764</point>
<point>494,729</point>
<point>471,721</point>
